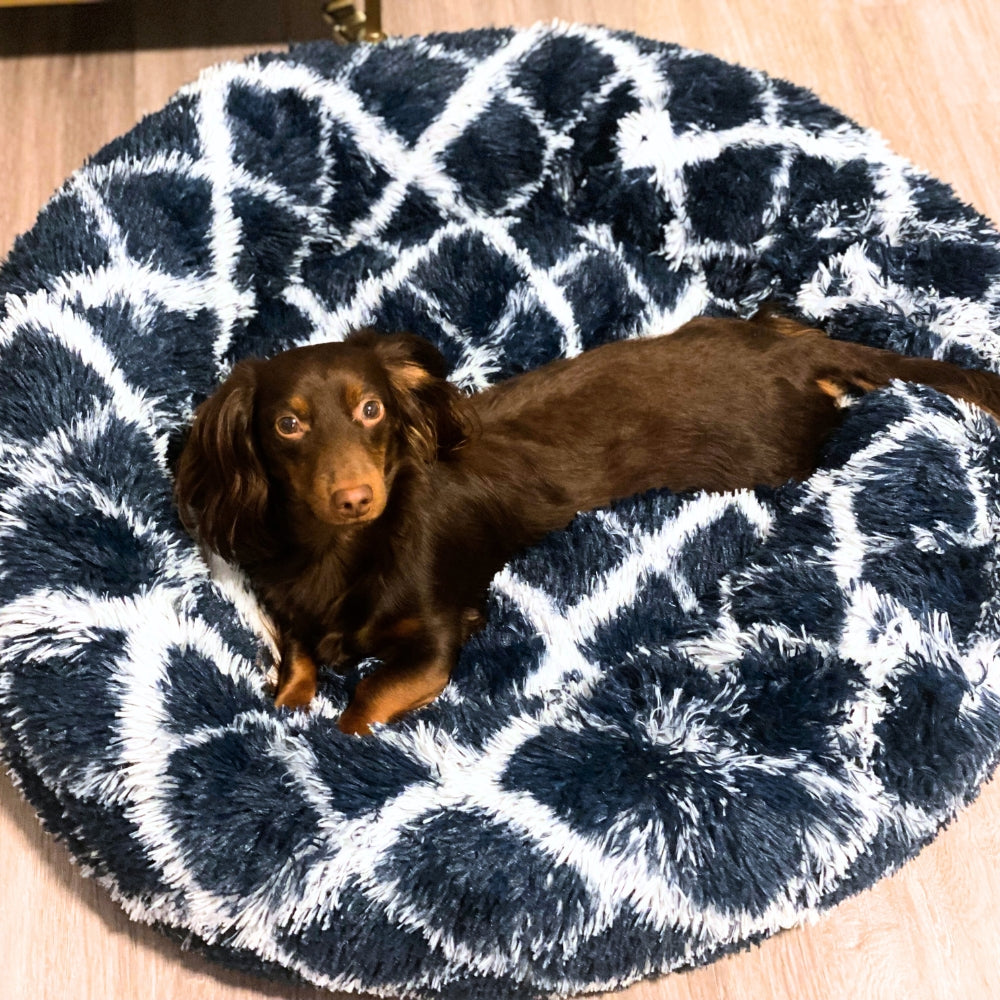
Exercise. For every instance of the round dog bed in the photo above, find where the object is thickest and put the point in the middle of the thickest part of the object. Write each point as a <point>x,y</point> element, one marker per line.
<point>692,720</point>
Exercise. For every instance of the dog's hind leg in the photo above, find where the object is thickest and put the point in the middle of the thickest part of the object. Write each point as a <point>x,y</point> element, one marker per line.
<point>867,368</point>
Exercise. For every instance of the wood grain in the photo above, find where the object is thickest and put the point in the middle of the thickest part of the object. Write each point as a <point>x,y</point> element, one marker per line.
<point>922,72</point>
<point>42,3</point>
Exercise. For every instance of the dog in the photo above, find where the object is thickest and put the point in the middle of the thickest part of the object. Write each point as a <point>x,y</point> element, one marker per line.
<point>371,502</point>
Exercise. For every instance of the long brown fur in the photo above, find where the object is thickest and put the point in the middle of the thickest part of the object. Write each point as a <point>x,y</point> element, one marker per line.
<point>371,502</point>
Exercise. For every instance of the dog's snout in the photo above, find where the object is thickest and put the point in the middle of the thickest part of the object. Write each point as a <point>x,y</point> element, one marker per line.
<point>353,502</point>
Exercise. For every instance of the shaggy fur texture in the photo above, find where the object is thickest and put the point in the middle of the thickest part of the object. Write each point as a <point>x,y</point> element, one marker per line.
<point>691,720</point>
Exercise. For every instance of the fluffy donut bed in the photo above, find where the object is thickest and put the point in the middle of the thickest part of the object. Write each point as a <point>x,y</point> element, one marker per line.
<point>693,720</point>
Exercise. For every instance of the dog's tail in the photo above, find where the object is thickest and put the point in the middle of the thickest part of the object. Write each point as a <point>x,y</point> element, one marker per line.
<point>842,366</point>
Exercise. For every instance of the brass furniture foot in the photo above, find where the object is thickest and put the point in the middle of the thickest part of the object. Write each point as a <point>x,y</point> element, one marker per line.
<point>351,24</point>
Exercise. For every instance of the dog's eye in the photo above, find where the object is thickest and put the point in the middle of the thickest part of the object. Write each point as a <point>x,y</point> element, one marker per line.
<point>370,412</point>
<point>289,426</point>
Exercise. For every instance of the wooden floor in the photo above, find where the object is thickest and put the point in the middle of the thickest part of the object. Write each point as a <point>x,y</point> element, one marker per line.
<point>923,72</point>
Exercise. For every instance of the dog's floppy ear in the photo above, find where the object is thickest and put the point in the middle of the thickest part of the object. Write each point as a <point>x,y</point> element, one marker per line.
<point>221,487</point>
<point>436,414</point>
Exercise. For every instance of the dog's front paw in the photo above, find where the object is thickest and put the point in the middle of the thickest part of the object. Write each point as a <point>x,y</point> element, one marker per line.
<point>297,692</point>
<point>354,722</point>
<point>296,678</point>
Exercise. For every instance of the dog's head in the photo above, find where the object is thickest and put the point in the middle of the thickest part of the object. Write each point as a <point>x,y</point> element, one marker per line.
<point>322,430</point>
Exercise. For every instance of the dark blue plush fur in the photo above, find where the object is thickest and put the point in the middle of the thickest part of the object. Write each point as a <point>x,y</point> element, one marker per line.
<point>692,720</point>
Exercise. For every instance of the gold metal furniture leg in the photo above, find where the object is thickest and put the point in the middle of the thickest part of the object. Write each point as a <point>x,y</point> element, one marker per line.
<point>350,24</point>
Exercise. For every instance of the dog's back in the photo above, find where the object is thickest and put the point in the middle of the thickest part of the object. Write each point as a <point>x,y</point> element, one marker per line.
<point>721,404</point>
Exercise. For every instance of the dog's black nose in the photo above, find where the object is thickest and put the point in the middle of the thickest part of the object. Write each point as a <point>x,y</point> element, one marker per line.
<point>353,502</point>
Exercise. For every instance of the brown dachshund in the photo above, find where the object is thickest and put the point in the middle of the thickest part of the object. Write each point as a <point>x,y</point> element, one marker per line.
<point>371,502</point>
